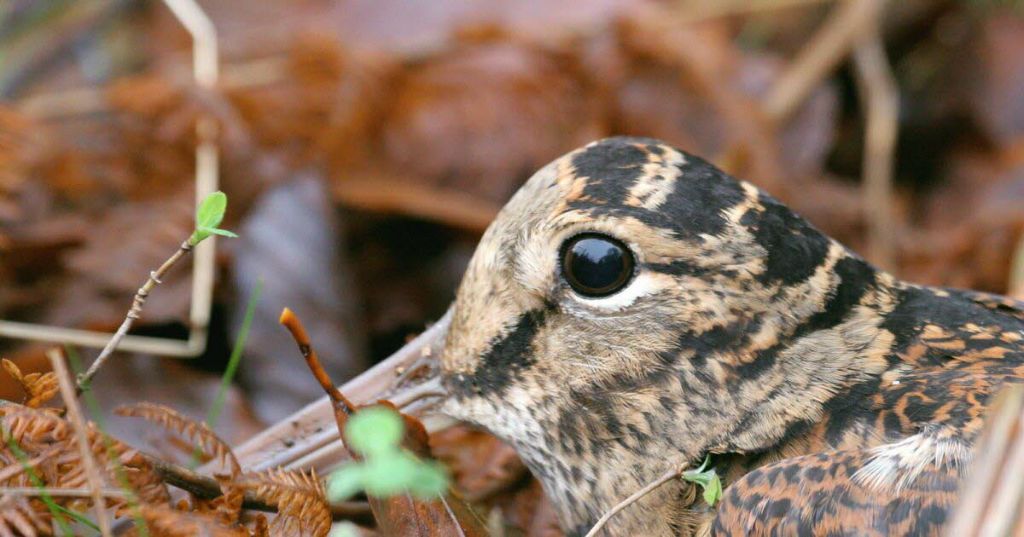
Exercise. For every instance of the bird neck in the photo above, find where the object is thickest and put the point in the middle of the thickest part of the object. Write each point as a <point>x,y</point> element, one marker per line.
<point>784,383</point>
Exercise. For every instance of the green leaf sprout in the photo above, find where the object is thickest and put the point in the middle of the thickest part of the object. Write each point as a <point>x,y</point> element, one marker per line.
<point>708,480</point>
<point>209,215</point>
<point>386,469</point>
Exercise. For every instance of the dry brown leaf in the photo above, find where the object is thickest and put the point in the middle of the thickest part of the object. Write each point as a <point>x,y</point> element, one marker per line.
<point>483,117</point>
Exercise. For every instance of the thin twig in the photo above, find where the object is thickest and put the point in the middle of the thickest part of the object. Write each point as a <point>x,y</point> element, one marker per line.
<point>341,405</point>
<point>879,96</point>
<point>74,413</point>
<point>826,49</point>
<point>650,487</point>
<point>134,312</point>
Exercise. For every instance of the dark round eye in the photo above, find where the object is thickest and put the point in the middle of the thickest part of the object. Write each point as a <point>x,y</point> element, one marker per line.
<point>596,265</point>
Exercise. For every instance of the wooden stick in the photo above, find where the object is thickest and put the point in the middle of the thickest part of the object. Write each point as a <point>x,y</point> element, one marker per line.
<point>1016,286</point>
<point>74,412</point>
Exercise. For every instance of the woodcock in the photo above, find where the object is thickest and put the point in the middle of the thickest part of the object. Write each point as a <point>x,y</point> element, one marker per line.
<point>634,309</point>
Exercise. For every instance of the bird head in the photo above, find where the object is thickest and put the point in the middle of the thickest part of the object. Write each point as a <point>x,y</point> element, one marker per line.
<point>633,307</point>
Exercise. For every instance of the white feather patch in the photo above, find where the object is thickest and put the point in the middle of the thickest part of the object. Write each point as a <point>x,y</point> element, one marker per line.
<point>893,467</point>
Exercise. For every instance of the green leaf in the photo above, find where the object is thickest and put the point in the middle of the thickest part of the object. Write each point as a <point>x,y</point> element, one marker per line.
<point>209,215</point>
<point>713,490</point>
<point>222,233</point>
<point>78,517</point>
<point>345,482</point>
<point>374,431</point>
<point>386,469</point>
<point>388,476</point>
<point>210,212</point>
<point>430,481</point>
<point>707,479</point>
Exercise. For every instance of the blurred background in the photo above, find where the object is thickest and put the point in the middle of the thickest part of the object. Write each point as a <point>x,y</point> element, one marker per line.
<point>366,144</point>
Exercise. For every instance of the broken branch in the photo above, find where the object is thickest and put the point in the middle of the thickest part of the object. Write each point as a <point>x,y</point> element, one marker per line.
<point>342,406</point>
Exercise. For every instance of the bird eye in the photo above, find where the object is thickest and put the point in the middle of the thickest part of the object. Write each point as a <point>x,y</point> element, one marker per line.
<point>596,265</point>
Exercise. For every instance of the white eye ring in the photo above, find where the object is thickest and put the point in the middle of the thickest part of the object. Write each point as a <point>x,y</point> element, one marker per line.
<point>642,284</point>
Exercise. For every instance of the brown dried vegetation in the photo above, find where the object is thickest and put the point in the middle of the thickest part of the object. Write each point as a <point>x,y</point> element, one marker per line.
<point>39,456</point>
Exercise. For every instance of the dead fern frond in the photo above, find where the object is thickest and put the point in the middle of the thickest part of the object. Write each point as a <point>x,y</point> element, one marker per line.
<point>47,441</point>
<point>18,517</point>
<point>301,500</point>
<point>197,432</point>
<point>39,388</point>
<point>31,427</point>
<point>16,469</point>
<point>228,506</point>
<point>164,521</point>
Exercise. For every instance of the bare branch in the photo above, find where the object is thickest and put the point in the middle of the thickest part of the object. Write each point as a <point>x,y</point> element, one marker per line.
<point>989,502</point>
<point>134,312</point>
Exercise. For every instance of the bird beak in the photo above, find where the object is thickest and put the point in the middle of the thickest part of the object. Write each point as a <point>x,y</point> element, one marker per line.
<point>410,378</point>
